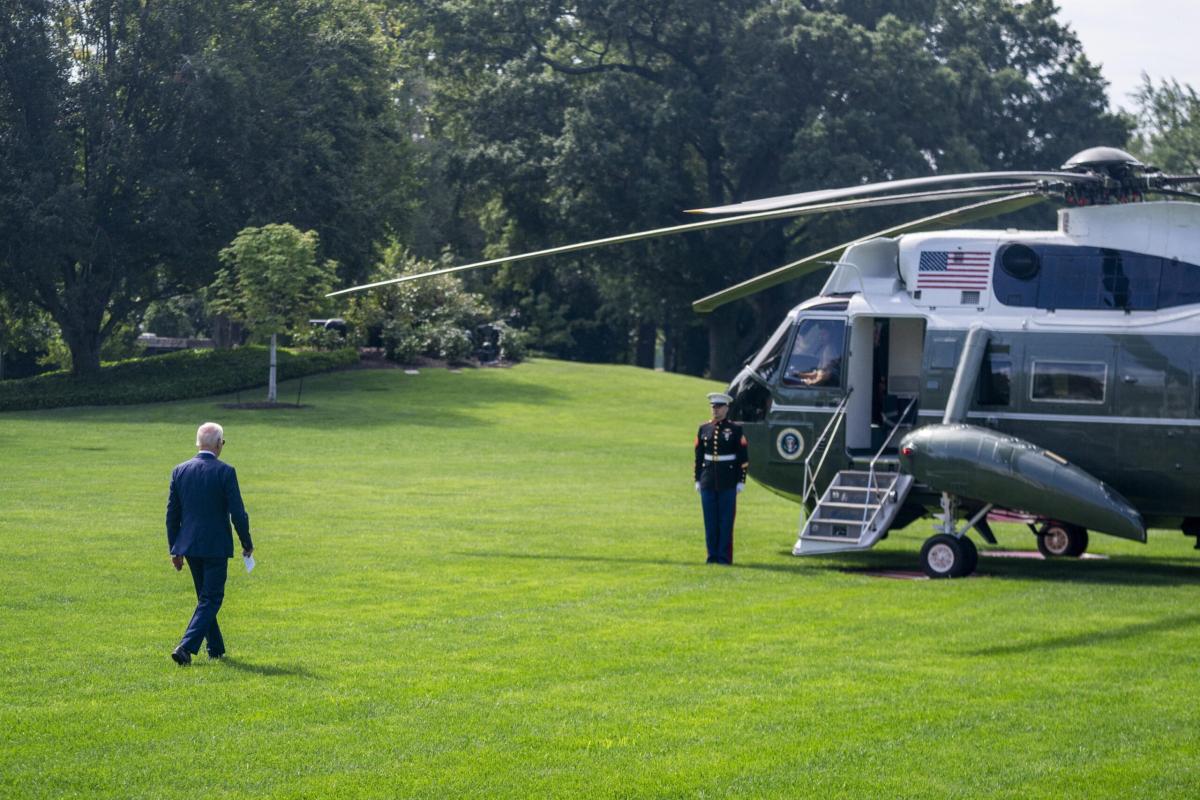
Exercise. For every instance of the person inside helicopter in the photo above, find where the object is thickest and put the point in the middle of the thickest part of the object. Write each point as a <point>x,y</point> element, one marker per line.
<point>816,358</point>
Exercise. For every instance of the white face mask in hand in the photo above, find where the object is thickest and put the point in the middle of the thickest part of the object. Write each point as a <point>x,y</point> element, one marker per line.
<point>249,562</point>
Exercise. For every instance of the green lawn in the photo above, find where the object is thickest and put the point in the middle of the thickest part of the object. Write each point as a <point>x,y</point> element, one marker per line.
<point>490,584</point>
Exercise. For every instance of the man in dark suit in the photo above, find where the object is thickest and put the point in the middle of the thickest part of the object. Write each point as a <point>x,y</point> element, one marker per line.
<point>203,498</point>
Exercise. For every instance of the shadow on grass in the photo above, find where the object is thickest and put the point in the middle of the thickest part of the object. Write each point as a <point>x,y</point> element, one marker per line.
<point>348,399</point>
<point>1117,570</point>
<point>1091,637</point>
<point>270,670</point>
<point>660,562</point>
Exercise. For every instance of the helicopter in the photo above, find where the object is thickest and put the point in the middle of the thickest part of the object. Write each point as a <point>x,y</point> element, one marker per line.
<point>957,372</point>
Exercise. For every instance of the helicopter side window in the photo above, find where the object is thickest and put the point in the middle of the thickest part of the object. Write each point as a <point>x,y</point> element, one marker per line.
<point>1068,381</point>
<point>995,379</point>
<point>1180,284</point>
<point>1071,277</point>
<point>816,356</point>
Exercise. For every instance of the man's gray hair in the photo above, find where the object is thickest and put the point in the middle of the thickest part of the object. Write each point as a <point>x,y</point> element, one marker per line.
<point>209,436</point>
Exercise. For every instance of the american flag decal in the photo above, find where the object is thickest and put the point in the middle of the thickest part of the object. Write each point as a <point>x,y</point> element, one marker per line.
<point>940,269</point>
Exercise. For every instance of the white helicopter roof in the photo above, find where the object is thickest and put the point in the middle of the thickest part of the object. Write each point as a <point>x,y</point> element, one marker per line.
<point>946,275</point>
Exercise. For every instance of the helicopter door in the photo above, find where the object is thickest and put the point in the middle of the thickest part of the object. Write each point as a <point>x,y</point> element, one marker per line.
<point>1153,394</point>
<point>884,372</point>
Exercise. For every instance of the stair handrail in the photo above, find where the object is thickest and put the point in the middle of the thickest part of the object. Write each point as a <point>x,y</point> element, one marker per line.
<point>871,487</point>
<point>825,440</point>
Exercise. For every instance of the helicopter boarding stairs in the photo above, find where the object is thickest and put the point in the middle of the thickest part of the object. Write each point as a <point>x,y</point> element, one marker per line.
<point>859,504</point>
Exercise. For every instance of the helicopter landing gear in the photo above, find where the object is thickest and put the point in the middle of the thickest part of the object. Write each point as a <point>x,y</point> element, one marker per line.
<point>1061,540</point>
<point>951,553</point>
<point>947,556</point>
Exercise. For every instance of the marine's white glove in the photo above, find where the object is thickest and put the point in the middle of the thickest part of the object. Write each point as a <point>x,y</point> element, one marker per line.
<point>741,487</point>
<point>697,486</point>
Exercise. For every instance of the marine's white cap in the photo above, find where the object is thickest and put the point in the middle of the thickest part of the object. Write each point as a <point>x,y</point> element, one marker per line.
<point>719,398</point>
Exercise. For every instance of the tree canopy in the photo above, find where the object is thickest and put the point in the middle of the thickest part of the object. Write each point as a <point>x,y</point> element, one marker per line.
<point>1169,125</point>
<point>272,280</point>
<point>571,120</point>
<point>136,138</point>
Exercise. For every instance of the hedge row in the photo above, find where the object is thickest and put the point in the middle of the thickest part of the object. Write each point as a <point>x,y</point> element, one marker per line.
<point>176,376</point>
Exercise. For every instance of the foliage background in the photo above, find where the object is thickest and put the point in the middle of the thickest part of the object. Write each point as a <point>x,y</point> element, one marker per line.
<point>139,138</point>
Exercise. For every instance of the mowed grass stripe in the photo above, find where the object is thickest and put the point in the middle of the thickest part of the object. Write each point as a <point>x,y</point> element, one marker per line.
<point>490,584</point>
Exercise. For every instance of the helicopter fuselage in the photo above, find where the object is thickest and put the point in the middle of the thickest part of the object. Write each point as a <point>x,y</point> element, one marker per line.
<point>1092,353</point>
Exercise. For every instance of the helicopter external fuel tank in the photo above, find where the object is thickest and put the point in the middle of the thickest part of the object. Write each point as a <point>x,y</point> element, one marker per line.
<point>984,465</point>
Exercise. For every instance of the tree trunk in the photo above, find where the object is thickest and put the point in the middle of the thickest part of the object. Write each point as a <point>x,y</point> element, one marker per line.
<point>647,340</point>
<point>722,344</point>
<point>226,333</point>
<point>84,344</point>
<point>271,380</point>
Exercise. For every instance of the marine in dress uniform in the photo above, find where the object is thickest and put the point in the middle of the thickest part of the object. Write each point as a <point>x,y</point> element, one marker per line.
<point>722,459</point>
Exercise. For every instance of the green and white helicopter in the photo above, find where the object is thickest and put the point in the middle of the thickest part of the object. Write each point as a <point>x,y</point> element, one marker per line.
<point>1050,373</point>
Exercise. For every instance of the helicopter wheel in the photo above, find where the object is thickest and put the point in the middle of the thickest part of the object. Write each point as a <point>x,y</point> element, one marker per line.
<point>1060,540</point>
<point>946,556</point>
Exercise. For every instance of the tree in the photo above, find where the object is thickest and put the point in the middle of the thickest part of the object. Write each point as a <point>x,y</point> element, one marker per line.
<point>1169,125</point>
<point>574,120</point>
<point>24,329</point>
<point>434,317</point>
<point>272,280</point>
<point>137,137</point>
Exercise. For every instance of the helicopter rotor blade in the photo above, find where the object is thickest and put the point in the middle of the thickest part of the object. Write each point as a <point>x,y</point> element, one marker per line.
<point>779,213</point>
<point>1173,193</point>
<point>797,269</point>
<point>826,195</point>
<point>1175,180</point>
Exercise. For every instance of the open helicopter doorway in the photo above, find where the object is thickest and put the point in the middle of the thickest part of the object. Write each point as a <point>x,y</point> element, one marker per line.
<point>885,375</point>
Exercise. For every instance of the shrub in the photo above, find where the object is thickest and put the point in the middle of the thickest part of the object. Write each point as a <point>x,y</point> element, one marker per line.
<point>316,338</point>
<point>514,342</point>
<point>176,376</point>
<point>431,317</point>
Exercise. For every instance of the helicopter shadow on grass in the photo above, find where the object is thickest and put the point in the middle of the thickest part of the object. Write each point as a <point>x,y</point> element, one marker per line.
<point>1120,570</point>
<point>1126,571</point>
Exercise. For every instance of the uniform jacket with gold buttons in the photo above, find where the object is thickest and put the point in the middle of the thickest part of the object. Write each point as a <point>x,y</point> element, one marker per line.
<point>722,456</point>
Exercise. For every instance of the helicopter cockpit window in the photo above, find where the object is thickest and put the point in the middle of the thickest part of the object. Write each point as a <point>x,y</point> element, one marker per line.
<point>816,356</point>
<point>767,364</point>
<point>751,397</point>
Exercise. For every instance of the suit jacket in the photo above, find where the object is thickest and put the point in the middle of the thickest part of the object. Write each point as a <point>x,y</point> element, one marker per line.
<point>722,455</point>
<point>203,498</point>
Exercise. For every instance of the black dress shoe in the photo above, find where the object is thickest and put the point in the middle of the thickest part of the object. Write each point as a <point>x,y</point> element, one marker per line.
<point>181,657</point>
<point>215,656</point>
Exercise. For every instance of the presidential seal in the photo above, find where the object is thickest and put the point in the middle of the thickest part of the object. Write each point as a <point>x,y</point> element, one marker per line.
<point>789,444</point>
